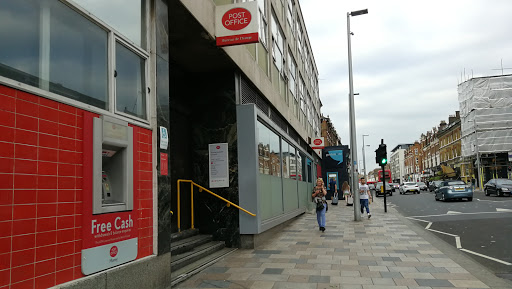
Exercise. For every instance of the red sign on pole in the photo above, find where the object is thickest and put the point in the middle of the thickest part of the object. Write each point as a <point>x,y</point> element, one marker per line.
<point>163,164</point>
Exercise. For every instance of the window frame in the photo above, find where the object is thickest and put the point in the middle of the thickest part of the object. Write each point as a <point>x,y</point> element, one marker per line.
<point>112,36</point>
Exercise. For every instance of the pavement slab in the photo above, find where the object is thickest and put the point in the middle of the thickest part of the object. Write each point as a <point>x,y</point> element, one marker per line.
<point>384,252</point>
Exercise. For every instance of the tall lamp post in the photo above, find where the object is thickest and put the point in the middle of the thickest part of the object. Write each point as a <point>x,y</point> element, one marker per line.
<point>477,155</point>
<point>364,159</point>
<point>352,120</point>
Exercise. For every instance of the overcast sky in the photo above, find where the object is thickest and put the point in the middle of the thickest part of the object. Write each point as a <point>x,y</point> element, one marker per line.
<point>407,58</point>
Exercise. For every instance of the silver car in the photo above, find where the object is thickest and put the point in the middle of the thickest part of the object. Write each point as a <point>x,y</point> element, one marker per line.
<point>409,187</point>
<point>422,186</point>
<point>454,189</point>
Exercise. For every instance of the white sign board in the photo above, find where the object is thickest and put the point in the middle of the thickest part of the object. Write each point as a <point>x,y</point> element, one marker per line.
<point>237,23</point>
<point>318,143</point>
<point>218,164</point>
<point>164,138</point>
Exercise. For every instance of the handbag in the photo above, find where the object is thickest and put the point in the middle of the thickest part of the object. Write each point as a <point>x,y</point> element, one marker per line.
<point>319,206</point>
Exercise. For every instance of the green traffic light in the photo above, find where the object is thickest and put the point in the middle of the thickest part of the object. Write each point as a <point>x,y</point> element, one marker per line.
<point>384,161</point>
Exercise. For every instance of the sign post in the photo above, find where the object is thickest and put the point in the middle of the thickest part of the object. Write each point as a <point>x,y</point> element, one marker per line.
<point>237,23</point>
<point>218,164</point>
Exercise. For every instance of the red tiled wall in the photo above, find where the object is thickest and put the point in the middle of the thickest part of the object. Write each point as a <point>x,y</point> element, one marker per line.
<point>41,157</point>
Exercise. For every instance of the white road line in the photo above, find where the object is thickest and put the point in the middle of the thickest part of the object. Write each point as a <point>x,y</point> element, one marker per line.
<point>503,210</point>
<point>457,238</point>
<point>457,242</point>
<point>487,257</point>
<point>441,232</point>
<point>428,226</point>
<point>456,214</point>
<point>420,220</point>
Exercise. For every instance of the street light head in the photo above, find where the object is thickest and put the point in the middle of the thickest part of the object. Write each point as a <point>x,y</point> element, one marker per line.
<point>351,33</point>
<point>359,12</point>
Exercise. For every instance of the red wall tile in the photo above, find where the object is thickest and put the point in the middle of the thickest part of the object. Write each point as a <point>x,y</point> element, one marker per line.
<point>25,196</point>
<point>5,261</point>
<point>6,213</point>
<point>22,273</point>
<point>6,165</point>
<point>5,229</point>
<point>23,242</point>
<point>46,224</point>
<point>24,227</point>
<point>24,212</point>
<point>45,281</point>
<point>45,253</point>
<point>41,189</point>
<point>5,245</point>
<point>21,258</point>
<point>7,118</point>
<point>6,149</point>
<point>5,277</point>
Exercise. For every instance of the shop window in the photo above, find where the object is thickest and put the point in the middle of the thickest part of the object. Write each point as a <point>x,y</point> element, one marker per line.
<point>269,152</point>
<point>130,82</point>
<point>53,47</point>
<point>277,44</point>
<point>132,24</point>
<point>292,68</point>
<point>78,57</point>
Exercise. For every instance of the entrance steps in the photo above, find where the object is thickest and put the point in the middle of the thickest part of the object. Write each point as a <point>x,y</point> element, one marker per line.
<point>192,252</point>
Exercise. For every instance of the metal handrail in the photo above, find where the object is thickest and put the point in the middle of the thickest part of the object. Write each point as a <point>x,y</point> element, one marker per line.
<point>201,188</point>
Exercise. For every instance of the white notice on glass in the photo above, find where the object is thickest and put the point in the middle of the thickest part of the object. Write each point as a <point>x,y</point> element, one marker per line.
<point>164,138</point>
<point>218,165</point>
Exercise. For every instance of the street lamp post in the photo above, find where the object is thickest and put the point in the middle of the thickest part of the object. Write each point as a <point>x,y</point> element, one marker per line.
<point>364,158</point>
<point>477,155</point>
<point>352,120</point>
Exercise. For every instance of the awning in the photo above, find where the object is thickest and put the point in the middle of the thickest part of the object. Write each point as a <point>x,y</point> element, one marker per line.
<point>448,171</point>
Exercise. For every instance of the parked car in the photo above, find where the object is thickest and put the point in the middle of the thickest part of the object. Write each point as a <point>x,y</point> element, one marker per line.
<point>422,186</point>
<point>394,186</point>
<point>378,189</point>
<point>434,185</point>
<point>453,189</point>
<point>409,187</point>
<point>498,187</point>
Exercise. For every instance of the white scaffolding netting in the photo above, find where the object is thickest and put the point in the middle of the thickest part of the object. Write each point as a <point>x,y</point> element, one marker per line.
<point>486,111</point>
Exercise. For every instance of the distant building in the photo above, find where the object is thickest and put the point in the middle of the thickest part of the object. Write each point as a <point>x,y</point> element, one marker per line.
<point>486,122</point>
<point>328,131</point>
<point>413,162</point>
<point>431,158</point>
<point>449,146</point>
<point>397,162</point>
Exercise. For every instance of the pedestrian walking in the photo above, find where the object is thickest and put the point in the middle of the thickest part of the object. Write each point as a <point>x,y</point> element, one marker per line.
<point>319,194</point>
<point>364,196</point>
<point>345,188</point>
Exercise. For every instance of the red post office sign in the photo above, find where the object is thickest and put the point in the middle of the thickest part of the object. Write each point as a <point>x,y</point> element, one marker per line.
<point>318,143</point>
<point>237,24</point>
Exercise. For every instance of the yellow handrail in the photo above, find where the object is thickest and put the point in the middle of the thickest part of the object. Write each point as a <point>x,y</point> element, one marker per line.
<point>201,188</point>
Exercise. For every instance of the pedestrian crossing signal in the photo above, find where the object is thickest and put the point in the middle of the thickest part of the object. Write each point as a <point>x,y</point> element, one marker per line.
<point>381,155</point>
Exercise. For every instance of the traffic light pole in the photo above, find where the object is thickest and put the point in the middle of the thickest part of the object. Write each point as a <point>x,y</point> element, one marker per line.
<point>384,186</point>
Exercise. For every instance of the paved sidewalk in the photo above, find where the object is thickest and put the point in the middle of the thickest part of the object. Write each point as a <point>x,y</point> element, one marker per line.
<point>386,251</point>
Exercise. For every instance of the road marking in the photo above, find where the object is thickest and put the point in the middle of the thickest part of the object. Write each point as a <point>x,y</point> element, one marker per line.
<point>503,210</point>
<point>441,232</point>
<point>487,257</point>
<point>453,212</point>
<point>458,243</point>
<point>440,215</point>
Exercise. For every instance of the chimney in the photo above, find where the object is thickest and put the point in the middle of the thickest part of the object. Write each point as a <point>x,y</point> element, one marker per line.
<point>442,125</point>
<point>457,114</point>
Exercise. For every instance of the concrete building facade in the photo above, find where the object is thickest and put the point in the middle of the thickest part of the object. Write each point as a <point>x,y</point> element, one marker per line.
<point>397,163</point>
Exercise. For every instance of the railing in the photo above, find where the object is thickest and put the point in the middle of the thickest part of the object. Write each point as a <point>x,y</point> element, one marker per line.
<point>192,184</point>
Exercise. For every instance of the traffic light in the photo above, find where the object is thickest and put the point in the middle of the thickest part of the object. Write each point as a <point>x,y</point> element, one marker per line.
<point>381,155</point>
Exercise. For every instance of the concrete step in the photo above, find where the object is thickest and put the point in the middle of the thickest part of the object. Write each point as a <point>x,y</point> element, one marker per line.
<point>182,274</point>
<point>183,235</point>
<point>181,260</point>
<point>188,244</point>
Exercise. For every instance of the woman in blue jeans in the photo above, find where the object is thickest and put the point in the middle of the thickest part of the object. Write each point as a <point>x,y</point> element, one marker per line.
<point>319,193</point>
